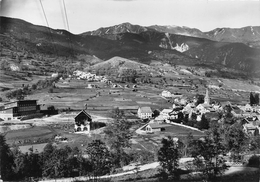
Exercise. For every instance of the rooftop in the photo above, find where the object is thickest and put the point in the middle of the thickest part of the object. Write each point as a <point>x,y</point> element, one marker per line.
<point>146,110</point>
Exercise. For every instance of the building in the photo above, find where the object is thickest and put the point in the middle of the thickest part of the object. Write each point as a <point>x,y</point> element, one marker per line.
<point>144,112</point>
<point>82,122</point>
<point>156,127</point>
<point>175,113</point>
<point>19,109</point>
<point>166,93</point>
<point>165,113</point>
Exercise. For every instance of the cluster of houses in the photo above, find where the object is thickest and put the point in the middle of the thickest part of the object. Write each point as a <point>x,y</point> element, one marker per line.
<point>250,115</point>
<point>81,75</point>
<point>168,94</point>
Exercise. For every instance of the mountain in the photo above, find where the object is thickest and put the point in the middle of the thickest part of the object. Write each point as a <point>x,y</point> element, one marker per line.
<point>144,46</point>
<point>192,32</point>
<point>108,32</point>
<point>23,36</point>
<point>249,35</point>
<point>221,54</point>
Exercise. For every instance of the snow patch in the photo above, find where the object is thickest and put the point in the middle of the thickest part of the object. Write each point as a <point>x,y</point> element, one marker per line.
<point>168,37</point>
<point>171,26</point>
<point>181,48</point>
<point>107,31</point>
<point>252,30</point>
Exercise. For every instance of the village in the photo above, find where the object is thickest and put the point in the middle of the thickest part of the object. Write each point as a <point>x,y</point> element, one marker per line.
<point>155,120</point>
<point>79,108</point>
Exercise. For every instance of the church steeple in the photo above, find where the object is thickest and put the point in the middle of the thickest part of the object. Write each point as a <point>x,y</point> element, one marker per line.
<point>206,98</point>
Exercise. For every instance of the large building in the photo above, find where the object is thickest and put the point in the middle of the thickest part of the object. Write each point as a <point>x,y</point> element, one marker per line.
<point>19,109</point>
<point>144,112</point>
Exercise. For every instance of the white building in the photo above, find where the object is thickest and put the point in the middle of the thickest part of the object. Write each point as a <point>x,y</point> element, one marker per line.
<point>166,93</point>
<point>165,113</point>
<point>144,112</point>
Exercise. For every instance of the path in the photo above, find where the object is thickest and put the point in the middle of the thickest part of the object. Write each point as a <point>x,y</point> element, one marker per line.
<point>153,165</point>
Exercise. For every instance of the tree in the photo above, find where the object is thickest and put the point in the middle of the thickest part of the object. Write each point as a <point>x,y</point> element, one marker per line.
<point>34,86</point>
<point>99,157</point>
<point>207,152</point>
<point>32,165</point>
<point>200,99</point>
<point>168,156</point>
<point>204,123</point>
<point>236,140</point>
<point>118,135</point>
<point>6,160</point>
<point>57,162</point>
<point>189,144</point>
<point>18,167</point>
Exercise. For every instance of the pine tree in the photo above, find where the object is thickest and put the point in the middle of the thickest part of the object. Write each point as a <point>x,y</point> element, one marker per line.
<point>6,160</point>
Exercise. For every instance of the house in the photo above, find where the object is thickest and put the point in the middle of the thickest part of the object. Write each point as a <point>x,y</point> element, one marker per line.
<point>250,128</point>
<point>19,109</point>
<point>203,108</point>
<point>190,107</point>
<point>237,112</point>
<point>156,127</point>
<point>165,113</point>
<point>254,120</point>
<point>248,108</point>
<point>82,122</point>
<point>166,93</point>
<point>226,103</point>
<point>174,114</point>
<point>144,112</point>
<point>256,109</point>
<point>158,119</point>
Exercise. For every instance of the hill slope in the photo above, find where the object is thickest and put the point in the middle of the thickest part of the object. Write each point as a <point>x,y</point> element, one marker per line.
<point>144,46</point>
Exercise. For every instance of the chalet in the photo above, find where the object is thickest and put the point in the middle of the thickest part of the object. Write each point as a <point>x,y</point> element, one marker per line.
<point>144,112</point>
<point>82,122</point>
<point>155,127</point>
<point>19,109</point>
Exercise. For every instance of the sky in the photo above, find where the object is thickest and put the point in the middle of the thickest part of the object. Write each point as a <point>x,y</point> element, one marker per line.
<point>88,15</point>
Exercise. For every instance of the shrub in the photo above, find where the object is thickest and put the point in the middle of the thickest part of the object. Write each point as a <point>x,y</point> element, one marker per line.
<point>254,161</point>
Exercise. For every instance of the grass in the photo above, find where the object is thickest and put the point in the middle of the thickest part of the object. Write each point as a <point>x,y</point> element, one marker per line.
<point>30,135</point>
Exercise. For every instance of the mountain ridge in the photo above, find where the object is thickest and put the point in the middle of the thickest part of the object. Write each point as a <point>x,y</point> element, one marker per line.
<point>241,35</point>
<point>143,47</point>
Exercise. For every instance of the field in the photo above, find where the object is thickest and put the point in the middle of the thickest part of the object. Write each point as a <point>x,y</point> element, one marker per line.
<point>73,95</point>
<point>30,135</point>
<point>102,99</point>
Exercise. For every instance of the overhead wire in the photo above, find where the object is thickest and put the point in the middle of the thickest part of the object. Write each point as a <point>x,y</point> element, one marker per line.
<point>48,26</point>
<point>67,22</point>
